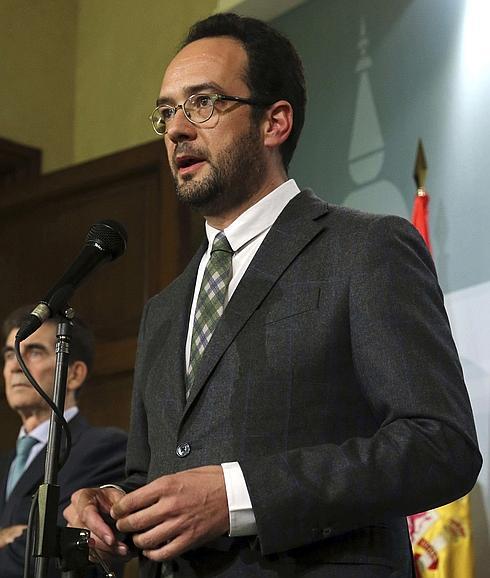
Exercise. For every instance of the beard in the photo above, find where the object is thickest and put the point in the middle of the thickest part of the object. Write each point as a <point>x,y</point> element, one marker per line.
<point>235,176</point>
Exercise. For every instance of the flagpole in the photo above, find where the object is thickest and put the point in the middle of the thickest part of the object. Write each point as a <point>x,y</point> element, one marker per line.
<point>441,538</point>
<point>420,214</point>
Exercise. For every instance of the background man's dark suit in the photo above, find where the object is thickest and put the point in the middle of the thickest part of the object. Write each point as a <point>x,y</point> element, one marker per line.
<point>97,457</point>
<point>332,378</point>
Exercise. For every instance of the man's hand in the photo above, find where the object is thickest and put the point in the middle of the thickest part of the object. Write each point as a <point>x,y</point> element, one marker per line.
<point>175,513</point>
<point>86,511</point>
<point>11,533</point>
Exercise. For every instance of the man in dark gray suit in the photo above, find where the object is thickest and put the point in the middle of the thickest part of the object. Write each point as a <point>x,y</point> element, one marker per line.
<point>297,390</point>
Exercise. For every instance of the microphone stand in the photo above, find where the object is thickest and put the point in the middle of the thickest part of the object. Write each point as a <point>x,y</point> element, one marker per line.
<point>70,545</point>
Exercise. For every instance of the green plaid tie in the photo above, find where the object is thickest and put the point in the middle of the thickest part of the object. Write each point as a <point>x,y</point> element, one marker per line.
<point>210,302</point>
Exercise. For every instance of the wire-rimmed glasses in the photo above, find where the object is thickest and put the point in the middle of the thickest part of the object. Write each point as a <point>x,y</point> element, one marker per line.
<point>198,108</point>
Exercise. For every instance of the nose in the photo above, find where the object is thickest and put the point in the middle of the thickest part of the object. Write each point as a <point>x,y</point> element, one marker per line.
<point>12,365</point>
<point>181,128</point>
<point>11,368</point>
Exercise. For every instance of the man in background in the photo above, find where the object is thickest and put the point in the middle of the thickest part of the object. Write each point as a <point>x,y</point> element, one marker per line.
<point>297,391</point>
<point>97,454</point>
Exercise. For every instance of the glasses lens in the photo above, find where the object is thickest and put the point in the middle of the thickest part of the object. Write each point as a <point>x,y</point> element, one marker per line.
<point>160,117</point>
<point>199,107</point>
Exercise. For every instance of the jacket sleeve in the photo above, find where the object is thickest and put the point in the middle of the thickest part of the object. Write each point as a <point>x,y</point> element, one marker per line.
<point>424,452</point>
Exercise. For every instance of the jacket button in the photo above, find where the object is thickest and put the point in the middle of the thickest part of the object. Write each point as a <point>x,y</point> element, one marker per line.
<point>183,450</point>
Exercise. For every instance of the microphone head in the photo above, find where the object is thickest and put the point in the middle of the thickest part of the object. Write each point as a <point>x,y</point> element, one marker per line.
<point>108,236</point>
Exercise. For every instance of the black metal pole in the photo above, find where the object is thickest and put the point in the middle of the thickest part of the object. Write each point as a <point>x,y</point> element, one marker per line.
<point>46,546</point>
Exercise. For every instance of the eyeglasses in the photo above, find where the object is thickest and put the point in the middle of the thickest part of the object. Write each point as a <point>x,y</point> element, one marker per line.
<point>198,108</point>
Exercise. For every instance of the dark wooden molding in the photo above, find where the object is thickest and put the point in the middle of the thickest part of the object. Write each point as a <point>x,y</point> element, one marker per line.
<point>18,162</point>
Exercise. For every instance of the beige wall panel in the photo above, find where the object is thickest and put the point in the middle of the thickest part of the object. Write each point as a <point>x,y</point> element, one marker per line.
<point>123,48</point>
<point>79,77</point>
<point>37,64</point>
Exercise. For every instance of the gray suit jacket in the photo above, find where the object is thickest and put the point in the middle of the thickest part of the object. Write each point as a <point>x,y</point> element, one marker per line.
<point>333,380</point>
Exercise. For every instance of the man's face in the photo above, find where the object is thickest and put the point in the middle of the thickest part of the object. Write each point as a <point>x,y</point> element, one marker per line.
<point>38,352</point>
<point>220,163</point>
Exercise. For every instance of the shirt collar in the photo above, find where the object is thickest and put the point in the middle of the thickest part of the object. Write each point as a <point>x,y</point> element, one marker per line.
<point>257,218</point>
<point>40,432</point>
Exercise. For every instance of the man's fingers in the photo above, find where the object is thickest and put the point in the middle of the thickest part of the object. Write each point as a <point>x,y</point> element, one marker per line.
<point>139,499</point>
<point>87,509</point>
<point>10,534</point>
<point>159,535</point>
<point>175,512</point>
<point>102,498</point>
<point>91,519</point>
<point>146,518</point>
<point>169,550</point>
<point>115,553</point>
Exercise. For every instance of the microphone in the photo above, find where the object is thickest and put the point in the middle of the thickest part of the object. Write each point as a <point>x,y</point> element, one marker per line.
<point>105,241</point>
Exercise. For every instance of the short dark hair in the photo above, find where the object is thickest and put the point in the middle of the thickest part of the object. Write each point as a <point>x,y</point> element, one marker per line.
<point>82,346</point>
<point>275,70</point>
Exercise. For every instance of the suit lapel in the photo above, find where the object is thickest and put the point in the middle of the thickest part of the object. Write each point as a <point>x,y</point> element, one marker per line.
<point>7,462</point>
<point>295,228</point>
<point>171,363</point>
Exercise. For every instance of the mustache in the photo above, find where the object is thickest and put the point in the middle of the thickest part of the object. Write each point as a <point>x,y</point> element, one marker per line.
<point>186,148</point>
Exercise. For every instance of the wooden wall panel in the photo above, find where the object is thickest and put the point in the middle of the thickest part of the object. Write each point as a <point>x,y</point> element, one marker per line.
<point>17,162</point>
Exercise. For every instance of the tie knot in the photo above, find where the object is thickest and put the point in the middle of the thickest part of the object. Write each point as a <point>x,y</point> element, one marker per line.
<point>221,243</point>
<point>24,445</point>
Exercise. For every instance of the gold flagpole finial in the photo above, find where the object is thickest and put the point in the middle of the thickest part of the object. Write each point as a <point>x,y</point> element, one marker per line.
<point>420,169</point>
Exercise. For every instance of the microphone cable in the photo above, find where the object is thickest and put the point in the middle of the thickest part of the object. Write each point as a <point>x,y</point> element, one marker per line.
<point>56,411</point>
<point>33,520</point>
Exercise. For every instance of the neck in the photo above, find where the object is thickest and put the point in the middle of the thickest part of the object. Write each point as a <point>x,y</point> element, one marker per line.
<point>31,419</point>
<point>225,219</point>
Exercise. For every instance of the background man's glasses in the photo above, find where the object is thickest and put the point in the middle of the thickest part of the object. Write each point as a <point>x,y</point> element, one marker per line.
<point>197,108</point>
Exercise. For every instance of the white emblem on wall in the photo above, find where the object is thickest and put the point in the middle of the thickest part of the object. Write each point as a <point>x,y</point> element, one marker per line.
<point>366,151</point>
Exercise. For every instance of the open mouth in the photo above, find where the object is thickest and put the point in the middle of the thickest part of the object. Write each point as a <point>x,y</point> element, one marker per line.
<point>188,163</point>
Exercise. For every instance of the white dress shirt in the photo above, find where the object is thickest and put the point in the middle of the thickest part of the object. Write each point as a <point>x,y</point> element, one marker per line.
<point>40,433</point>
<point>245,236</point>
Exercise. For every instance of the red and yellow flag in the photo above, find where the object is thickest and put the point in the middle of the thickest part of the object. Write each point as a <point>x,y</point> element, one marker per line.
<point>441,538</point>
<point>442,542</point>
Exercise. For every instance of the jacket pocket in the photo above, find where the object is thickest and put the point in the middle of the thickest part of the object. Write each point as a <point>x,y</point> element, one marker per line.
<point>294,301</point>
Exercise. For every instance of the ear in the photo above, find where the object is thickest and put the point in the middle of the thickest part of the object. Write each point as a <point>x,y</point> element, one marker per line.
<point>278,123</point>
<point>77,374</point>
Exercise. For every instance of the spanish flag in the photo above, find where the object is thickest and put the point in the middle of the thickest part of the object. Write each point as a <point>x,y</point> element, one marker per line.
<point>441,541</point>
<point>441,538</point>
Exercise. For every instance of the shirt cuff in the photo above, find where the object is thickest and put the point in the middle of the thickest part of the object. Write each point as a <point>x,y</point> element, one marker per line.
<point>115,486</point>
<point>242,518</point>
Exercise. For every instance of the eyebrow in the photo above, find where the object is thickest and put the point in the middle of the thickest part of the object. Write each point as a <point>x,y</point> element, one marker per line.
<point>193,89</point>
<point>6,349</point>
<point>31,346</point>
<point>28,347</point>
